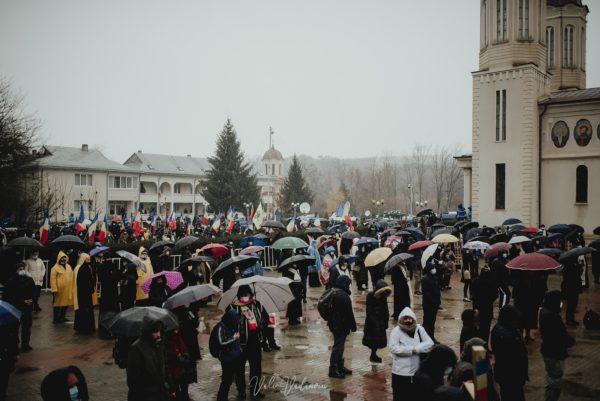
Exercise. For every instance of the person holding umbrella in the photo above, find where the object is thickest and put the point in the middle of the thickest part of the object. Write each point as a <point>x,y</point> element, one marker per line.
<point>252,323</point>
<point>84,285</point>
<point>61,284</point>
<point>144,272</point>
<point>341,269</point>
<point>108,277</point>
<point>65,384</point>
<point>402,290</point>
<point>37,271</point>
<point>128,285</point>
<point>571,288</point>
<point>484,292</point>
<point>501,277</point>
<point>294,309</point>
<point>19,292</point>
<point>341,323</point>
<point>159,291</point>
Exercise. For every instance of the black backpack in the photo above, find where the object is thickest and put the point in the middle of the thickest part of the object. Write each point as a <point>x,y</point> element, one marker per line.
<point>214,346</point>
<point>591,320</point>
<point>325,304</point>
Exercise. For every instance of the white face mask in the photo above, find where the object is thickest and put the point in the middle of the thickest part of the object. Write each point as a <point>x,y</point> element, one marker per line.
<point>447,371</point>
<point>433,271</point>
<point>245,299</point>
<point>561,305</point>
<point>21,272</point>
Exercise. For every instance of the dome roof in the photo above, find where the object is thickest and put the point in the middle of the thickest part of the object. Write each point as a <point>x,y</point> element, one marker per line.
<point>562,3</point>
<point>272,154</point>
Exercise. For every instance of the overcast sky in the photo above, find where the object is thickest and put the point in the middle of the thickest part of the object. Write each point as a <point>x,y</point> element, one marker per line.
<point>343,78</point>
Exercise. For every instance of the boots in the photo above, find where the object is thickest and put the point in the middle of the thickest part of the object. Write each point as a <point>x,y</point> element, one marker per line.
<point>335,373</point>
<point>374,358</point>
<point>344,370</point>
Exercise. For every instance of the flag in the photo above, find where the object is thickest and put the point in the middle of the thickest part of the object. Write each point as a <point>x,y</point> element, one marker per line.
<point>205,220</point>
<point>317,221</point>
<point>172,221</point>
<point>45,229</point>
<point>79,226</point>
<point>347,217</point>
<point>153,217</point>
<point>230,218</point>
<point>340,210</point>
<point>92,230</point>
<point>137,224</point>
<point>291,225</point>
<point>103,229</point>
<point>216,222</point>
<point>251,216</point>
<point>258,217</point>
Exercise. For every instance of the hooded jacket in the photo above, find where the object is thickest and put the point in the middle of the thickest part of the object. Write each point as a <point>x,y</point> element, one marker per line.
<point>55,386</point>
<point>146,366</point>
<point>401,345</point>
<point>377,316</point>
<point>555,340</point>
<point>143,276</point>
<point>230,346</point>
<point>510,353</point>
<point>430,375</point>
<point>61,282</point>
<point>86,285</point>
<point>342,321</point>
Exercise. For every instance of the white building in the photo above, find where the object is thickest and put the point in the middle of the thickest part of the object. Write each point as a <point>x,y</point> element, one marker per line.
<point>536,128</point>
<point>270,178</point>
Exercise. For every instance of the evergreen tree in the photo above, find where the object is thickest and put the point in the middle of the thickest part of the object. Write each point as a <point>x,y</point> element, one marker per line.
<point>295,189</point>
<point>230,180</point>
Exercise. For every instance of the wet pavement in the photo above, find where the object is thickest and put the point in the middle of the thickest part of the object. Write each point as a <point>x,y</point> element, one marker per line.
<point>299,370</point>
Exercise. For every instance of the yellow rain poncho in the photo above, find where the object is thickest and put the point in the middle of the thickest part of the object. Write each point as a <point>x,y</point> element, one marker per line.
<point>143,276</point>
<point>61,282</point>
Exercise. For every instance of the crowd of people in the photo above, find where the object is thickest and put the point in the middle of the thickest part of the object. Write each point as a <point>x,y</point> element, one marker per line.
<point>160,361</point>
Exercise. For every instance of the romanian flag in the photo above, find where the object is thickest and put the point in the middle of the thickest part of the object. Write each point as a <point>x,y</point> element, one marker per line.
<point>137,224</point>
<point>230,218</point>
<point>45,229</point>
<point>103,227</point>
<point>291,225</point>
<point>251,216</point>
<point>172,221</point>
<point>79,226</point>
<point>92,230</point>
<point>347,217</point>
<point>216,222</point>
<point>205,220</point>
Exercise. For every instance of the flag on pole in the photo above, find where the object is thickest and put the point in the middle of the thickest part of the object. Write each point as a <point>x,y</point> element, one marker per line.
<point>103,230</point>
<point>230,219</point>
<point>205,220</point>
<point>45,229</point>
<point>340,210</point>
<point>291,225</point>
<point>172,221</point>
<point>317,221</point>
<point>258,217</point>
<point>347,217</point>
<point>79,226</point>
<point>137,224</point>
<point>92,230</point>
<point>216,222</point>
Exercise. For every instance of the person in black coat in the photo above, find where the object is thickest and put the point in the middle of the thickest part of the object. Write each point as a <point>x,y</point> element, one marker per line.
<point>164,261</point>
<point>108,276</point>
<point>9,352</point>
<point>128,281</point>
<point>340,324</point>
<point>294,308</point>
<point>65,384</point>
<point>571,288</point>
<point>501,277</point>
<point>431,299</point>
<point>341,269</point>
<point>511,362</point>
<point>376,320</point>
<point>188,323</point>
<point>484,292</point>
<point>555,342</point>
<point>433,371</point>
<point>402,291</point>
<point>159,291</point>
<point>362,276</point>
<point>470,327</point>
<point>19,292</point>
<point>529,291</point>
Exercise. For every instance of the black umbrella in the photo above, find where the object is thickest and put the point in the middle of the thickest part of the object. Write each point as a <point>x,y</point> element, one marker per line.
<point>466,227</point>
<point>515,232</point>
<point>242,261</point>
<point>517,227</point>
<point>488,231</point>
<point>425,212</point>
<point>575,252</point>
<point>25,242</point>
<point>160,244</point>
<point>68,241</point>
<point>273,224</point>
<point>438,226</point>
<point>366,241</point>
<point>577,227</point>
<point>298,260</point>
<point>314,230</point>
<point>553,252</point>
<point>197,259</point>
<point>597,230</point>
<point>260,236</point>
<point>560,228</point>
<point>185,242</point>
<point>459,224</point>
<point>350,235</point>
<point>128,323</point>
<point>471,233</point>
<point>482,238</point>
<point>511,221</point>
<point>595,244</point>
<point>540,239</point>
<point>396,260</point>
<point>500,237</point>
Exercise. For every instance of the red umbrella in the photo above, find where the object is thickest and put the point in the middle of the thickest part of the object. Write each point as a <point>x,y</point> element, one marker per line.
<point>419,245</point>
<point>533,262</point>
<point>216,250</point>
<point>495,249</point>
<point>252,249</point>
<point>530,230</point>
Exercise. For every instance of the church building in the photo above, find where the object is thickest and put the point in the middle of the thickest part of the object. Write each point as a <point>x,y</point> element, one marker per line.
<point>536,127</point>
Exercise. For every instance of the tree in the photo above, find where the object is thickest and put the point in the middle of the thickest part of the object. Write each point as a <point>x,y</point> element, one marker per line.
<point>18,136</point>
<point>295,189</point>
<point>230,180</point>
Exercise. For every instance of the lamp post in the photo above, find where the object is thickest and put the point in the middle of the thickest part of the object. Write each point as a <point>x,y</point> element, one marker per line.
<point>247,206</point>
<point>377,203</point>
<point>294,206</point>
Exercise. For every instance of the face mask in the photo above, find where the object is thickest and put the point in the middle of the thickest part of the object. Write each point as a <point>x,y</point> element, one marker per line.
<point>74,393</point>
<point>447,371</point>
<point>143,257</point>
<point>561,305</point>
<point>245,299</point>
<point>440,262</point>
<point>433,271</point>
<point>505,255</point>
<point>21,272</point>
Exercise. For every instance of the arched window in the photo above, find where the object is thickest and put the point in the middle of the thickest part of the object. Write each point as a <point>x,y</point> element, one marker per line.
<point>266,169</point>
<point>273,169</point>
<point>550,47</point>
<point>568,46</point>
<point>501,20</point>
<point>582,41</point>
<point>524,19</point>
<point>581,190</point>
<point>483,23</point>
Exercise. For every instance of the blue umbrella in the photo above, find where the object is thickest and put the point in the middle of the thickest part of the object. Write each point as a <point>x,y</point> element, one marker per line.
<point>8,314</point>
<point>511,221</point>
<point>244,242</point>
<point>416,233</point>
<point>335,229</point>
<point>98,250</point>
<point>560,228</point>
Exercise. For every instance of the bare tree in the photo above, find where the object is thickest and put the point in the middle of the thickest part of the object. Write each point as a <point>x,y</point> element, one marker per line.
<point>420,159</point>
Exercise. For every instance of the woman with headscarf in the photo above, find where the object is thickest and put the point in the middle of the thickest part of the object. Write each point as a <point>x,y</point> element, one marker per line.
<point>61,284</point>
<point>294,308</point>
<point>511,363</point>
<point>84,287</point>
<point>408,341</point>
<point>403,296</point>
<point>159,291</point>
<point>433,372</point>
<point>144,272</point>
<point>376,320</point>
<point>128,277</point>
<point>65,384</point>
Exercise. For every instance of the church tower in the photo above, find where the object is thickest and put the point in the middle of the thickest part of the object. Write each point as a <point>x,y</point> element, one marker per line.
<point>511,79</point>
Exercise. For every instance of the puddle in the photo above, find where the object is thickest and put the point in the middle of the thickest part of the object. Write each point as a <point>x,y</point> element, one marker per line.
<point>580,390</point>
<point>337,395</point>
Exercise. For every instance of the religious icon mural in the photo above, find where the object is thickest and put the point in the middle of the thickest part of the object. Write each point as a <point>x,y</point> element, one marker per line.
<point>583,132</point>
<point>560,134</point>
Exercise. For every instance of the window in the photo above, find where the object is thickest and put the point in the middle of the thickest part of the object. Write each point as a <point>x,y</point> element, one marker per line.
<point>266,169</point>
<point>550,47</point>
<point>121,182</point>
<point>177,188</point>
<point>483,23</point>
<point>568,46</point>
<point>500,185</point>
<point>117,208</point>
<point>88,205</point>
<point>273,169</point>
<point>84,180</point>
<point>501,115</point>
<point>524,19</point>
<point>582,52</point>
<point>501,20</point>
<point>581,190</point>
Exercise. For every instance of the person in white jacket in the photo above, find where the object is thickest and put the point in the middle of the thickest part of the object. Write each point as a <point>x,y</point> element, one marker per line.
<point>34,267</point>
<point>407,342</point>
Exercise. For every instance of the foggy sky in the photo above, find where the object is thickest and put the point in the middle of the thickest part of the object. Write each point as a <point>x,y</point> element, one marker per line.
<point>343,78</point>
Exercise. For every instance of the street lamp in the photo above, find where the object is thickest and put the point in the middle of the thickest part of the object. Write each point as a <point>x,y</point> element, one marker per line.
<point>247,206</point>
<point>378,203</point>
<point>294,206</point>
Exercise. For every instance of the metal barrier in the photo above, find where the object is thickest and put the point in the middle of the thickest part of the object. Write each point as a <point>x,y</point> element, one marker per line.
<point>269,259</point>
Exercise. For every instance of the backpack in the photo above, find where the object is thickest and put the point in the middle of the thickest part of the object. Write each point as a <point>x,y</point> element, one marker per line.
<point>214,346</point>
<point>591,320</point>
<point>325,304</point>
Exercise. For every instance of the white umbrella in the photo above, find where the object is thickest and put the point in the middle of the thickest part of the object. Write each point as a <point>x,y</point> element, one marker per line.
<point>427,253</point>
<point>190,295</point>
<point>272,292</point>
<point>478,245</point>
<point>519,239</point>
<point>132,258</point>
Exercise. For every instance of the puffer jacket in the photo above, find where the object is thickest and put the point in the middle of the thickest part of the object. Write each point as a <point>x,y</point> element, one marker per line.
<point>401,344</point>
